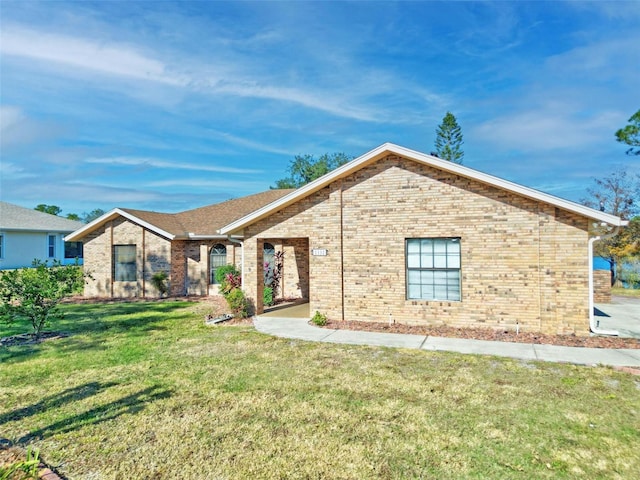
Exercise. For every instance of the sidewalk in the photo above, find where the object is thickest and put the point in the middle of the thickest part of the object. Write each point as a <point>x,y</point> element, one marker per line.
<point>299,328</point>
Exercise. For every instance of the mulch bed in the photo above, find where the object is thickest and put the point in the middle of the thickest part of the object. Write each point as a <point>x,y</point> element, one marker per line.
<point>30,338</point>
<point>488,334</point>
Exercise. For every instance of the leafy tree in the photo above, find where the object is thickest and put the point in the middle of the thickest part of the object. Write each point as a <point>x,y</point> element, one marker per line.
<point>631,134</point>
<point>305,168</point>
<point>629,244</point>
<point>50,209</point>
<point>449,139</point>
<point>35,293</point>
<point>616,194</point>
<point>92,215</point>
<point>73,216</point>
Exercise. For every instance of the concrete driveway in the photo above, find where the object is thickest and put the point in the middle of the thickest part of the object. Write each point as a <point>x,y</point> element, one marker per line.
<point>622,314</point>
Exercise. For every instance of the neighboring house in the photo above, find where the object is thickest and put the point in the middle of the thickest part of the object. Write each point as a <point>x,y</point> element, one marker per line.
<point>124,248</point>
<point>399,236</point>
<point>27,234</point>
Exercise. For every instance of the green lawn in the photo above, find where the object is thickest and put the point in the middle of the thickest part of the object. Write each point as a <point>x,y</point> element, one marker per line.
<point>626,292</point>
<point>145,390</point>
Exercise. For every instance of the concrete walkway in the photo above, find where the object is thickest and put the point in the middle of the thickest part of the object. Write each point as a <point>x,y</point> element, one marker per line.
<point>299,328</point>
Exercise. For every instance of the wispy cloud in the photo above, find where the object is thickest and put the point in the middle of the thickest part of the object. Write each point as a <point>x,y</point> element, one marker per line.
<point>11,171</point>
<point>17,129</point>
<point>547,128</point>
<point>9,116</point>
<point>158,163</point>
<point>251,144</point>
<point>128,62</point>
<point>202,183</point>
<point>81,53</point>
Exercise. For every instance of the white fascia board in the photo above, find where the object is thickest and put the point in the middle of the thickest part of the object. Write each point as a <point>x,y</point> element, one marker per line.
<point>89,227</point>
<point>390,148</point>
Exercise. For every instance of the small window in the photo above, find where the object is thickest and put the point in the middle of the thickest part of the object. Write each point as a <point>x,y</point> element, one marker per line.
<point>1,245</point>
<point>124,263</point>
<point>73,250</point>
<point>433,268</point>
<point>217,259</point>
<point>52,246</point>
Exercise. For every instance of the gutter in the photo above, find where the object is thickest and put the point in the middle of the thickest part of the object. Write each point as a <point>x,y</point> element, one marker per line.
<point>194,236</point>
<point>241,243</point>
<point>593,325</point>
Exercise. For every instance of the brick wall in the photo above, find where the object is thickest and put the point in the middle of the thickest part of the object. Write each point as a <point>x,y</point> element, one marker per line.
<point>186,262</point>
<point>523,262</point>
<point>602,286</point>
<point>295,278</point>
<point>153,254</point>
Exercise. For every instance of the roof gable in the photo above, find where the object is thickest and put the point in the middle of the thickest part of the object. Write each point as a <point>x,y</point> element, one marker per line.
<point>429,160</point>
<point>14,217</point>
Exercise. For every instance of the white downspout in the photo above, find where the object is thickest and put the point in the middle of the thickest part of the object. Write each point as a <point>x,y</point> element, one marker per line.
<point>241,243</point>
<point>592,321</point>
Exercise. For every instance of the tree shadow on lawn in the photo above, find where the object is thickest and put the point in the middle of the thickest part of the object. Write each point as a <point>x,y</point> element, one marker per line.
<point>136,318</point>
<point>17,353</point>
<point>131,404</point>
<point>22,353</point>
<point>100,321</point>
<point>53,401</point>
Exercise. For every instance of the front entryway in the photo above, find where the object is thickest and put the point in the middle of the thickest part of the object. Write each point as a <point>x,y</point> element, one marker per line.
<point>300,310</point>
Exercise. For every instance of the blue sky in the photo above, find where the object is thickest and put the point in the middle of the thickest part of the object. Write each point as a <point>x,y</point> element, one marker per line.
<point>173,105</point>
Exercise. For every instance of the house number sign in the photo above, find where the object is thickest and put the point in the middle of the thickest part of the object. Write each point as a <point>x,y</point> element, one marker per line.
<point>319,252</point>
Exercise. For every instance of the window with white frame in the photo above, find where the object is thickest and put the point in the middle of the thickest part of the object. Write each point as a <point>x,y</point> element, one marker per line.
<point>51,244</point>
<point>217,259</point>
<point>433,268</point>
<point>124,263</point>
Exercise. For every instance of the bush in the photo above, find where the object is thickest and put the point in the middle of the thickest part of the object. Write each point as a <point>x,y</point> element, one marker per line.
<point>238,303</point>
<point>159,281</point>
<point>22,469</point>
<point>222,272</point>
<point>34,293</point>
<point>319,319</point>
<point>267,296</point>
<point>230,283</point>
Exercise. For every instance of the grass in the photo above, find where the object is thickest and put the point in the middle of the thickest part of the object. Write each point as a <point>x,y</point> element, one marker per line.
<point>145,390</point>
<point>626,292</point>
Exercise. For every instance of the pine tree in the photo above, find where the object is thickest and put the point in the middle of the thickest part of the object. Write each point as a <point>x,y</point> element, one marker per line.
<point>449,139</point>
<point>631,134</point>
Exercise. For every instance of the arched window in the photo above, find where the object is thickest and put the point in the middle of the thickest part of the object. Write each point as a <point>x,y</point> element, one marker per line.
<point>217,259</point>
<point>269,254</point>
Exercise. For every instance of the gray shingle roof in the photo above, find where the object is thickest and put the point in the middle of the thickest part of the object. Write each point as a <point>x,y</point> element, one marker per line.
<point>14,217</point>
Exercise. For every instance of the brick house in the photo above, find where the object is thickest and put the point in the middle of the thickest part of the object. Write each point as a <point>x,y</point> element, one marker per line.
<point>124,248</point>
<point>397,235</point>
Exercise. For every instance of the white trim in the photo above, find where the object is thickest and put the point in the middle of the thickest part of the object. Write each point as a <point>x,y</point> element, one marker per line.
<point>78,234</point>
<point>392,149</point>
